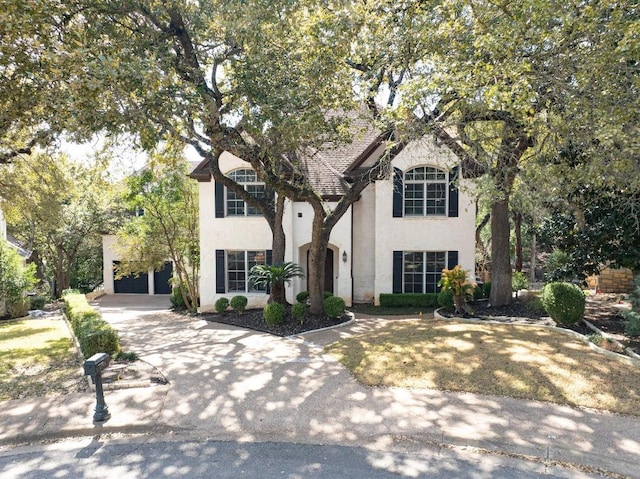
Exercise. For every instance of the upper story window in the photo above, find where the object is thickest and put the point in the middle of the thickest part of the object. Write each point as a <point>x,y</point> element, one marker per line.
<point>249,180</point>
<point>425,192</point>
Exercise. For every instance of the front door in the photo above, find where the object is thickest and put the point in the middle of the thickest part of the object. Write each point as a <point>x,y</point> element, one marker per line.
<point>328,271</point>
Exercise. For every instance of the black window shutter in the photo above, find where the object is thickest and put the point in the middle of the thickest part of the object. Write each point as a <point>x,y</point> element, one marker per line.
<point>452,259</point>
<point>453,192</point>
<point>220,274</point>
<point>219,200</point>
<point>397,193</point>
<point>397,272</point>
<point>268,257</point>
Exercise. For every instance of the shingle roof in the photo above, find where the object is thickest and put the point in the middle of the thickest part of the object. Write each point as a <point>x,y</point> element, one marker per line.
<point>327,167</point>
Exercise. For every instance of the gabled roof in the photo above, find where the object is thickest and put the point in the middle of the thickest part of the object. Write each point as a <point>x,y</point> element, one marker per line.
<point>327,167</point>
<point>15,244</point>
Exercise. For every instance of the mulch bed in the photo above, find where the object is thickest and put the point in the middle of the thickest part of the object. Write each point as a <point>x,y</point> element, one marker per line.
<point>253,319</point>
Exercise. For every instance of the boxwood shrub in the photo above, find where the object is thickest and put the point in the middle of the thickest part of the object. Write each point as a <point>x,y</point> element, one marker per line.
<point>238,303</point>
<point>445,298</point>
<point>564,302</point>
<point>298,311</point>
<point>409,300</point>
<point>273,313</point>
<point>334,306</point>
<point>221,305</point>
<point>93,333</point>
<point>302,296</point>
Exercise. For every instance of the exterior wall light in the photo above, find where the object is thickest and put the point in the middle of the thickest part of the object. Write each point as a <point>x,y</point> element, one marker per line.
<point>344,257</point>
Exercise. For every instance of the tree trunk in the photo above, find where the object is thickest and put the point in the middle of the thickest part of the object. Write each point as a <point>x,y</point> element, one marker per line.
<point>534,247</point>
<point>278,293</point>
<point>317,257</point>
<point>517,226</point>
<point>500,257</point>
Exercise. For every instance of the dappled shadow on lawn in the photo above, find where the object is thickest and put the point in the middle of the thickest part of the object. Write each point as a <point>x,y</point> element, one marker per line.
<point>510,360</point>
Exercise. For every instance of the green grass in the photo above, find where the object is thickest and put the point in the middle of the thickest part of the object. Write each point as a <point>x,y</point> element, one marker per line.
<point>506,360</point>
<point>37,358</point>
<point>372,310</point>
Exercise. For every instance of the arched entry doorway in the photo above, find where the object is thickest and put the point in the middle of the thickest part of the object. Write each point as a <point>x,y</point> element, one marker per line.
<point>328,271</point>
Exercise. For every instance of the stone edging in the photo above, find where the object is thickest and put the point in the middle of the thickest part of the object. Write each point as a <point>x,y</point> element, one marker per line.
<point>340,325</point>
<point>633,359</point>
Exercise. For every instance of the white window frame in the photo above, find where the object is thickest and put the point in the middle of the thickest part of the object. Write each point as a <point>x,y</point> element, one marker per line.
<point>425,273</point>
<point>245,271</point>
<point>426,183</point>
<point>247,210</point>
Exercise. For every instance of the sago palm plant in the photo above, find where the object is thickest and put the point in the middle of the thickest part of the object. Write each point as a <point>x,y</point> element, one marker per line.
<point>274,276</point>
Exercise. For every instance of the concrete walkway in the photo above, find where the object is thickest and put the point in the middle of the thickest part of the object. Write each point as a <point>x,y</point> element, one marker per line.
<point>232,384</point>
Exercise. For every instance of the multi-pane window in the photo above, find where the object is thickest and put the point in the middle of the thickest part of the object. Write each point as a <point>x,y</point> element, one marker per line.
<point>422,271</point>
<point>425,192</point>
<point>239,263</point>
<point>249,180</point>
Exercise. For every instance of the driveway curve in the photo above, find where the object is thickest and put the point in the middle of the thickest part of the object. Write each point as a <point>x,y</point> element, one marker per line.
<point>228,383</point>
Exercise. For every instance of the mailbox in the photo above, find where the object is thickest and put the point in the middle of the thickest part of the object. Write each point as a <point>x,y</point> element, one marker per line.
<point>93,367</point>
<point>96,363</point>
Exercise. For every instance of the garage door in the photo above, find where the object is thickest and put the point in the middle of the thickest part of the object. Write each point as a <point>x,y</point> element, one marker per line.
<point>131,284</point>
<point>162,279</point>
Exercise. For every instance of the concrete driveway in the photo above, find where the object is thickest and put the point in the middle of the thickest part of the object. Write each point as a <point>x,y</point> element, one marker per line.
<point>228,383</point>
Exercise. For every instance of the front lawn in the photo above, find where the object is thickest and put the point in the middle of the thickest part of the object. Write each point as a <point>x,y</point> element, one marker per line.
<point>506,360</point>
<point>37,358</point>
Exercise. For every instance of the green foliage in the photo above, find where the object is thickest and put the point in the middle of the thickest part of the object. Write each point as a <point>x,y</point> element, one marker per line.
<point>486,289</point>
<point>564,302</point>
<point>559,267</point>
<point>93,333</point>
<point>302,296</point>
<point>455,280</point>
<point>519,281</point>
<point>299,311</point>
<point>176,298</point>
<point>327,294</point>
<point>268,275</point>
<point>274,313</point>
<point>37,302</point>
<point>238,303</point>
<point>16,280</point>
<point>221,304</point>
<point>445,298</point>
<point>409,300</point>
<point>334,306</point>
<point>125,357</point>
<point>632,328</point>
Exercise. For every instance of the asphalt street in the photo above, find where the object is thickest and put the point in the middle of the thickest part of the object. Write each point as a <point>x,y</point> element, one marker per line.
<point>97,459</point>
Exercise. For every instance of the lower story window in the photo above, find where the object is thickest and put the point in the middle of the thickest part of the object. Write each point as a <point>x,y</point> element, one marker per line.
<point>239,263</point>
<point>422,270</point>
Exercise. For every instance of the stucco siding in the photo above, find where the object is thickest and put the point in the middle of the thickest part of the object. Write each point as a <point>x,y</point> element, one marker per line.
<point>364,251</point>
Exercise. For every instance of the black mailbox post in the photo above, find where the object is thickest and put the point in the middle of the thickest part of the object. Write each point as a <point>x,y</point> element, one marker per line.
<point>93,367</point>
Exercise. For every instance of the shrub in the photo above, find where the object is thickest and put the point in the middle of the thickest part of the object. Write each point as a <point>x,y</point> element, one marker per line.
<point>632,328</point>
<point>445,298</point>
<point>273,313</point>
<point>334,306</point>
<point>37,302</point>
<point>327,294</point>
<point>456,281</point>
<point>221,304</point>
<point>18,309</point>
<point>298,311</point>
<point>519,281</point>
<point>478,292</point>
<point>409,300</point>
<point>302,296</point>
<point>128,356</point>
<point>238,303</point>
<point>564,302</point>
<point>93,333</point>
<point>486,289</point>
<point>558,266</point>
<point>176,299</point>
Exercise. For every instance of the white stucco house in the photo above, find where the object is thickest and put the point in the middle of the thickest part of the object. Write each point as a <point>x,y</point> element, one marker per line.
<point>396,238</point>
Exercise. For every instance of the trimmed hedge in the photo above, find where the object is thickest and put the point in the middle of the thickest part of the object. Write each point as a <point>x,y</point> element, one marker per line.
<point>334,306</point>
<point>238,303</point>
<point>564,302</point>
<point>409,300</point>
<point>93,333</point>
<point>221,304</point>
<point>273,313</point>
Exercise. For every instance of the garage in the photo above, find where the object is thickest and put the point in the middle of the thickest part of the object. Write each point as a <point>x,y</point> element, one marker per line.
<point>133,284</point>
<point>162,279</point>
